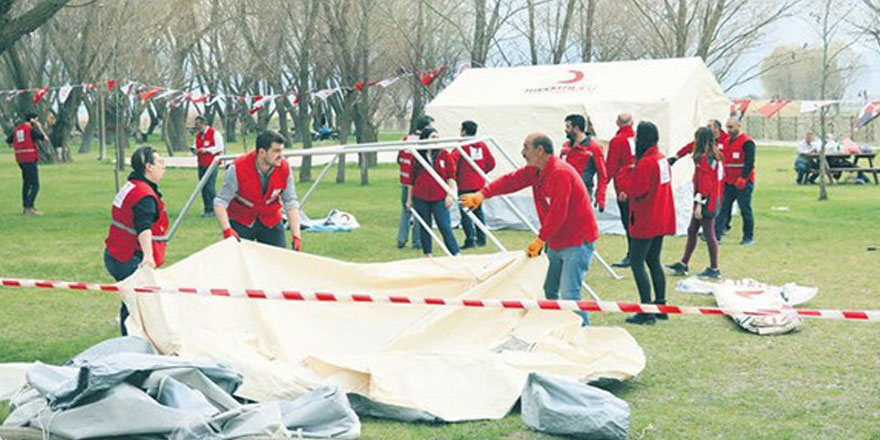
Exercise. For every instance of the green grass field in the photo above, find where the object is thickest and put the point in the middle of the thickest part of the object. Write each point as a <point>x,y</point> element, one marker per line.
<point>704,377</point>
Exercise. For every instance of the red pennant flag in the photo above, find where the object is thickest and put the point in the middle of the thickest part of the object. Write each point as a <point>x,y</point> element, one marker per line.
<point>429,77</point>
<point>772,107</point>
<point>146,96</point>
<point>869,112</point>
<point>38,95</point>
<point>195,99</point>
<point>739,107</point>
<point>110,84</point>
<point>260,101</point>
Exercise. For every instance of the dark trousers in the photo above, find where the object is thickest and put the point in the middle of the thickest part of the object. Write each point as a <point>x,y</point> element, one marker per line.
<point>209,191</point>
<point>743,198</point>
<point>440,214</point>
<point>121,270</point>
<point>708,225</point>
<point>30,184</point>
<point>623,207</point>
<point>468,225</point>
<point>260,233</point>
<point>647,251</point>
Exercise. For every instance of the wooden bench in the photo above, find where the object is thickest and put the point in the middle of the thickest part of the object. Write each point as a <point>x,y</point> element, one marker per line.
<point>870,169</point>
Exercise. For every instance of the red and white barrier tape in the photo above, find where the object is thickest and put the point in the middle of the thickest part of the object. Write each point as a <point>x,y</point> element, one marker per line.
<point>518,304</point>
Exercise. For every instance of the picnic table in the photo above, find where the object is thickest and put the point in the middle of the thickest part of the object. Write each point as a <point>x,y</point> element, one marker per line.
<point>853,158</point>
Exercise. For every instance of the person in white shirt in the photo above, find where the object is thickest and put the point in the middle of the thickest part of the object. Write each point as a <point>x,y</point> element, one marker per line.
<point>803,163</point>
<point>208,145</point>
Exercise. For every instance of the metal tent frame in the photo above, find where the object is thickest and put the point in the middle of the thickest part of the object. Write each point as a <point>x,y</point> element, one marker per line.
<point>389,147</point>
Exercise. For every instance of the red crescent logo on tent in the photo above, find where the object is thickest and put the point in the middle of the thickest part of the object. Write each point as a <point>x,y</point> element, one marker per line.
<point>578,75</point>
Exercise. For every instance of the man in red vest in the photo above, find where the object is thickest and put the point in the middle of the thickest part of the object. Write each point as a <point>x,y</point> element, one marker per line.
<point>621,154</point>
<point>138,218</point>
<point>208,145</point>
<point>469,181</point>
<point>405,161</point>
<point>257,186</point>
<point>568,226</point>
<point>24,140</point>
<point>585,155</point>
<point>739,181</point>
<point>720,138</point>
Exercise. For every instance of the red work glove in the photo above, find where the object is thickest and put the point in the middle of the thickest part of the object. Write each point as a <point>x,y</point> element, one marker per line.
<point>741,183</point>
<point>297,243</point>
<point>229,232</point>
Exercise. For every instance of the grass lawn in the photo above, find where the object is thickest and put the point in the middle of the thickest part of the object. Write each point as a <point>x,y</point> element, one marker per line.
<point>704,377</point>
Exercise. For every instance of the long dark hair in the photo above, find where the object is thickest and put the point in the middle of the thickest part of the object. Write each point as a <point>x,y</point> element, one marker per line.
<point>428,154</point>
<point>646,137</point>
<point>704,144</point>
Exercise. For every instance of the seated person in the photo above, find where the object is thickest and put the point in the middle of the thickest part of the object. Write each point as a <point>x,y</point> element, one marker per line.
<point>803,162</point>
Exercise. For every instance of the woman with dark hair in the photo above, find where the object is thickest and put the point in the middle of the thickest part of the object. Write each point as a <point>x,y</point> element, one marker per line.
<point>428,198</point>
<point>708,173</point>
<point>647,185</point>
<point>138,218</point>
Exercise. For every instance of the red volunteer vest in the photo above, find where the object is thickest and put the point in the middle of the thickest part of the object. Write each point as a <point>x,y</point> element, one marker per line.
<point>707,182</point>
<point>24,145</point>
<point>250,203</point>
<point>467,178</point>
<point>122,239</point>
<point>404,161</point>
<point>203,142</point>
<point>735,159</point>
<point>424,186</point>
<point>651,206</point>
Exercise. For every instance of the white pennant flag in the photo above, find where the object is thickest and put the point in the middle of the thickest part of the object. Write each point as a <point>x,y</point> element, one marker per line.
<point>126,88</point>
<point>387,82</point>
<point>165,94</point>
<point>64,93</point>
<point>214,100</point>
<point>324,94</point>
<point>261,102</point>
<point>13,94</point>
<point>811,106</point>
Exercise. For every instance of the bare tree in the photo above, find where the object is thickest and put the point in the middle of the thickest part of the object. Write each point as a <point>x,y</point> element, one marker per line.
<point>832,24</point>
<point>13,27</point>
<point>722,30</point>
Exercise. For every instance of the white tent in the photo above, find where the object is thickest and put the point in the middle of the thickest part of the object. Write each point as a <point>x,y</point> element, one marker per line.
<point>508,103</point>
<point>449,363</point>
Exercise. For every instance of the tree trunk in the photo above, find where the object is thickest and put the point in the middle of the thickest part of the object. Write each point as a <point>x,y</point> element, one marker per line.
<point>13,30</point>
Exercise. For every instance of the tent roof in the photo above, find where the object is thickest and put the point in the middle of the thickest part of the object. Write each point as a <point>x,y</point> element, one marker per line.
<point>620,81</point>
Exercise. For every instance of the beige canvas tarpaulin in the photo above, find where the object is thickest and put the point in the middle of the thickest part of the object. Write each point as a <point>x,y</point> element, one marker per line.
<point>453,363</point>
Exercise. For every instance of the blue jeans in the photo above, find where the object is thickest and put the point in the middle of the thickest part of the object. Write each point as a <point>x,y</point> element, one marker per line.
<point>568,267</point>
<point>441,216</point>
<point>405,218</point>
<point>121,270</point>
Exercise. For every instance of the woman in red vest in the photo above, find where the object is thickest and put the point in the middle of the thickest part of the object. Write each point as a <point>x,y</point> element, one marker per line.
<point>428,198</point>
<point>24,140</point>
<point>708,173</point>
<point>648,186</point>
<point>138,218</point>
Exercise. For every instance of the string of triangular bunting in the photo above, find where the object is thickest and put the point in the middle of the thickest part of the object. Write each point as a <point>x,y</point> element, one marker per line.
<point>177,97</point>
<point>868,113</point>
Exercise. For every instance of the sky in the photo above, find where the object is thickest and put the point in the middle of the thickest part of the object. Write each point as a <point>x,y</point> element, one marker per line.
<point>796,31</point>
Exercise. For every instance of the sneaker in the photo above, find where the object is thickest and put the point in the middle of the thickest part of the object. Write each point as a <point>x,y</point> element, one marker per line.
<point>622,263</point>
<point>401,245</point>
<point>209,214</point>
<point>715,274</point>
<point>481,243</point>
<point>468,245</point>
<point>680,269</point>
<point>642,319</point>
<point>417,247</point>
<point>661,316</point>
<point>747,241</point>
